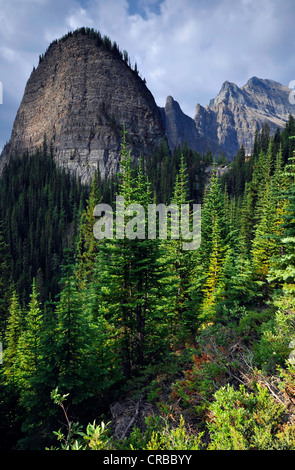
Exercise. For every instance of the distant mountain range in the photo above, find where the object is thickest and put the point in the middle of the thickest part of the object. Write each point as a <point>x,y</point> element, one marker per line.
<point>84,90</point>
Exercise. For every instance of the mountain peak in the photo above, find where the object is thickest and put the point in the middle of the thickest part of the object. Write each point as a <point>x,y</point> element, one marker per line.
<point>266,85</point>
<point>238,112</point>
<point>228,86</point>
<point>227,91</point>
<point>232,117</point>
<point>254,81</point>
<point>170,102</point>
<point>80,96</point>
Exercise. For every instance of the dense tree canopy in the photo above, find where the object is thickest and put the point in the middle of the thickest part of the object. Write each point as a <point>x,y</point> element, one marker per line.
<point>199,339</point>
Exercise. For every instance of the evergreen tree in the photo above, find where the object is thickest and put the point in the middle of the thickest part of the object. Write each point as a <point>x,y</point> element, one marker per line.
<point>178,260</point>
<point>34,361</point>
<point>265,137</point>
<point>29,345</point>
<point>13,332</point>
<point>129,274</point>
<point>71,336</point>
<point>213,274</point>
<point>87,246</point>
<point>10,389</point>
<point>5,280</point>
<point>103,357</point>
<point>256,146</point>
<point>213,218</point>
<point>283,266</point>
<point>210,255</point>
<point>247,219</point>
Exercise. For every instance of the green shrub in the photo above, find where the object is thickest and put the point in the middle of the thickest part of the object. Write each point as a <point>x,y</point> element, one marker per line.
<point>160,434</point>
<point>273,348</point>
<point>247,421</point>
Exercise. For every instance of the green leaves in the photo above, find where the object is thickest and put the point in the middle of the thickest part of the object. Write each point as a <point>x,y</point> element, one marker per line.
<point>243,420</point>
<point>57,397</point>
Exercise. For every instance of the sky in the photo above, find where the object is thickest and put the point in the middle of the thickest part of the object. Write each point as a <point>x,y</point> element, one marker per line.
<point>183,48</point>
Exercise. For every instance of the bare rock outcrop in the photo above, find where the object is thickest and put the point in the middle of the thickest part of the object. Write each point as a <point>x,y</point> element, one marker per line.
<point>80,96</point>
<point>180,129</point>
<point>240,111</point>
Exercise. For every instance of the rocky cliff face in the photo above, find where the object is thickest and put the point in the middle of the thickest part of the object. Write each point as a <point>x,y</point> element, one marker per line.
<point>230,120</point>
<point>80,96</point>
<point>180,128</point>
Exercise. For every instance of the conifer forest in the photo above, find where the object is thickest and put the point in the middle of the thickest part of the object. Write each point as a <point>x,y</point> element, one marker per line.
<point>136,344</point>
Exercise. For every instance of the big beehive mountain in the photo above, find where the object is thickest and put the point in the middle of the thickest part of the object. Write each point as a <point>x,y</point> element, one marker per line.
<point>84,91</point>
<point>80,96</point>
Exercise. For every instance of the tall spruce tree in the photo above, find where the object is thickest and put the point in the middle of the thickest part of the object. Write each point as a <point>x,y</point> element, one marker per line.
<point>283,265</point>
<point>14,328</point>
<point>210,256</point>
<point>5,281</point>
<point>29,345</point>
<point>72,335</point>
<point>87,245</point>
<point>179,260</point>
<point>269,209</point>
<point>129,273</point>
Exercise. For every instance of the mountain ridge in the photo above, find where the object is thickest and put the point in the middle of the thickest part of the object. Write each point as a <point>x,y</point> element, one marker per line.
<point>230,119</point>
<point>85,91</point>
<point>80,97</point>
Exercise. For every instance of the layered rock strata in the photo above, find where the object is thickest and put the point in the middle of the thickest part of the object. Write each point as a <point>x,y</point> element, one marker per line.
<point>80,96</point>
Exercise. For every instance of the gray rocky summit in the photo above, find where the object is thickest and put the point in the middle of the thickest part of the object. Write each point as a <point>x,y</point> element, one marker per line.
<point>231,119</point>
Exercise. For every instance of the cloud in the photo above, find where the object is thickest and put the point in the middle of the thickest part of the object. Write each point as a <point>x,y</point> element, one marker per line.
<point>183,48</point>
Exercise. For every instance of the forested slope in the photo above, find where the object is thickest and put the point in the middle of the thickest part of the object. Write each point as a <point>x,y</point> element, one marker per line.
<point>175,349</point>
